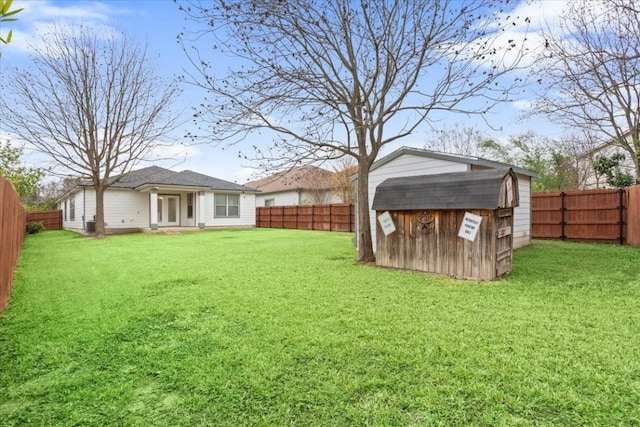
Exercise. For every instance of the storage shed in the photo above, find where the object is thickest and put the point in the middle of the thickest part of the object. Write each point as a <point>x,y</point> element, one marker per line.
<point>458,224</point>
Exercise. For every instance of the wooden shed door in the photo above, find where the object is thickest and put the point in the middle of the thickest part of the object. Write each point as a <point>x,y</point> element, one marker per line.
<point>504,241</point>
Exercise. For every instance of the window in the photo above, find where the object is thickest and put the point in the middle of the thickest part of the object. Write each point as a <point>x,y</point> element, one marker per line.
<point>270,202</point>
<point>72,208</point>
<point>190,205</point>
<point>227,205</point>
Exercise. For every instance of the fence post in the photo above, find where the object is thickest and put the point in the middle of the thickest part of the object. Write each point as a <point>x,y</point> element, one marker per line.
<point>330,228</point>
<point>621,207</point>
<point>562,219</point>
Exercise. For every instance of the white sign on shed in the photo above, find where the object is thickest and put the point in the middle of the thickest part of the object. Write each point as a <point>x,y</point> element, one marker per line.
<point>386,223</point>
<point>470,226</point>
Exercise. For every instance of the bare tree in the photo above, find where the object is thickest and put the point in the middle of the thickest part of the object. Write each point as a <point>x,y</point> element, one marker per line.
<point>342,77</point>
<point>344,168</point>
<point>458,139</point>
<point>93,104</point>
<point>590,76</point>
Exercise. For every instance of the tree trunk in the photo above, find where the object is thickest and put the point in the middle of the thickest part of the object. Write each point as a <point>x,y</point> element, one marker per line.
<point>100,212</point>
<point>365,245</point>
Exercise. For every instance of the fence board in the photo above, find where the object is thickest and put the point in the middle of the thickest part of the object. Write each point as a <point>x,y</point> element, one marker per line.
<point>585,215</point>
<point>12,228</point>
<point>51,220</point>
<point>633,215</point>
<point>326,217</point>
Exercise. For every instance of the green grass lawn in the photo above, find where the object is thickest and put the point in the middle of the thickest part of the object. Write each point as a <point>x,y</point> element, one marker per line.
<point>280,327</point>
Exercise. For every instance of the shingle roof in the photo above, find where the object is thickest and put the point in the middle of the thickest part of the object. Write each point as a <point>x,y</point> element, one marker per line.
<point>301,178</point>
<point>155,175</point>
<point>477,189</point>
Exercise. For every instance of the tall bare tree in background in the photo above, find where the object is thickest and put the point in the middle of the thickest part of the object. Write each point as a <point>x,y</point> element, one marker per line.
<point>458,139</point>
<point>590,76</point>
<point>91,102</point>
<point>342,185</point>
<point>341,77</point>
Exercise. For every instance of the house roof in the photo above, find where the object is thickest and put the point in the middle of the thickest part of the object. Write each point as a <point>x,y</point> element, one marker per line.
<point>477,189</point>
<point>156,176</point>
<point>459,158</point>
<point>301,178</point>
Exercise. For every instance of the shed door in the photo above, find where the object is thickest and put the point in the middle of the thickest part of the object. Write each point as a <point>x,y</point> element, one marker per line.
<point>504,241</point>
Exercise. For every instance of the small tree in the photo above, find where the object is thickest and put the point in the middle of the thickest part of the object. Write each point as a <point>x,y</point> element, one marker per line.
<point>92,102</point>
<point>609,167</point>
<point>23,178</point>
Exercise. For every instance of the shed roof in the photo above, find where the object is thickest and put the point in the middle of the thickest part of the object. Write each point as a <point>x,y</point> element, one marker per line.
<point>476,189</point>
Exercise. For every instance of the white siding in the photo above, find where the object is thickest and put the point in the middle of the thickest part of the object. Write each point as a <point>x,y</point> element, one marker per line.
<point>292,197</point>
<point>407,165</point>
<point>124,209</point>
<point>130,209</point>
<point>247,212</point>
<point>77,223</point>
<point>522,214</point>
<point>281,198</point>
<point>412,165</point>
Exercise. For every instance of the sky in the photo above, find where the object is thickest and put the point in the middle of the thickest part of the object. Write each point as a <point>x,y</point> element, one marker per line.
<point>158,22</point>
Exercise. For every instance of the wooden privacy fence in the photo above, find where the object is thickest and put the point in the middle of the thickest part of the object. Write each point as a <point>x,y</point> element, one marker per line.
<point>51,220</point>
<point>587,215</point>
<point>633,215</point>
<point>326,217</point>
<point>12,228</point>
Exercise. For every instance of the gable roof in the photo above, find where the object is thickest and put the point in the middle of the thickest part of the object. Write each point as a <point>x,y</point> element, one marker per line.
<point>476,189</point>
<point>155,175</point>
<point>459,158</point>
<point>302,178</point>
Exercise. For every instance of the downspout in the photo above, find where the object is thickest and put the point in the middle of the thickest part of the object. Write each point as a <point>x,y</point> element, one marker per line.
<point>84,208</point>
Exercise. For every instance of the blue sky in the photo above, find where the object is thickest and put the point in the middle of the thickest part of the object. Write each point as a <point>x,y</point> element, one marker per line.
<point>158,22</point>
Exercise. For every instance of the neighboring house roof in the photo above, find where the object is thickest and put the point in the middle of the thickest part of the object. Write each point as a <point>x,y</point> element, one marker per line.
<point>477,189</point>
<point>459,158</point>
<point>156,176</point>
<point>301,178</point>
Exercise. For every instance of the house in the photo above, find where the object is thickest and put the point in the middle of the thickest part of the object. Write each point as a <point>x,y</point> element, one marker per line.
<point>155,197</point>
<point>297,186</point>
<point>408,162</point>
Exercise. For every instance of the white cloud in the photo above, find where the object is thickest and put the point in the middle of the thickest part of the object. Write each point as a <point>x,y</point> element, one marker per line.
<point>172,153</point>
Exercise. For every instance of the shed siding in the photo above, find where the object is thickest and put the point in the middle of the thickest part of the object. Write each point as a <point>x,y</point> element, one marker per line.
<point>406,165</point>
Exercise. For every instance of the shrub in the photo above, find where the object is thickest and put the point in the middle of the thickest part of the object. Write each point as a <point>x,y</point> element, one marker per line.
<point>34,227</point>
